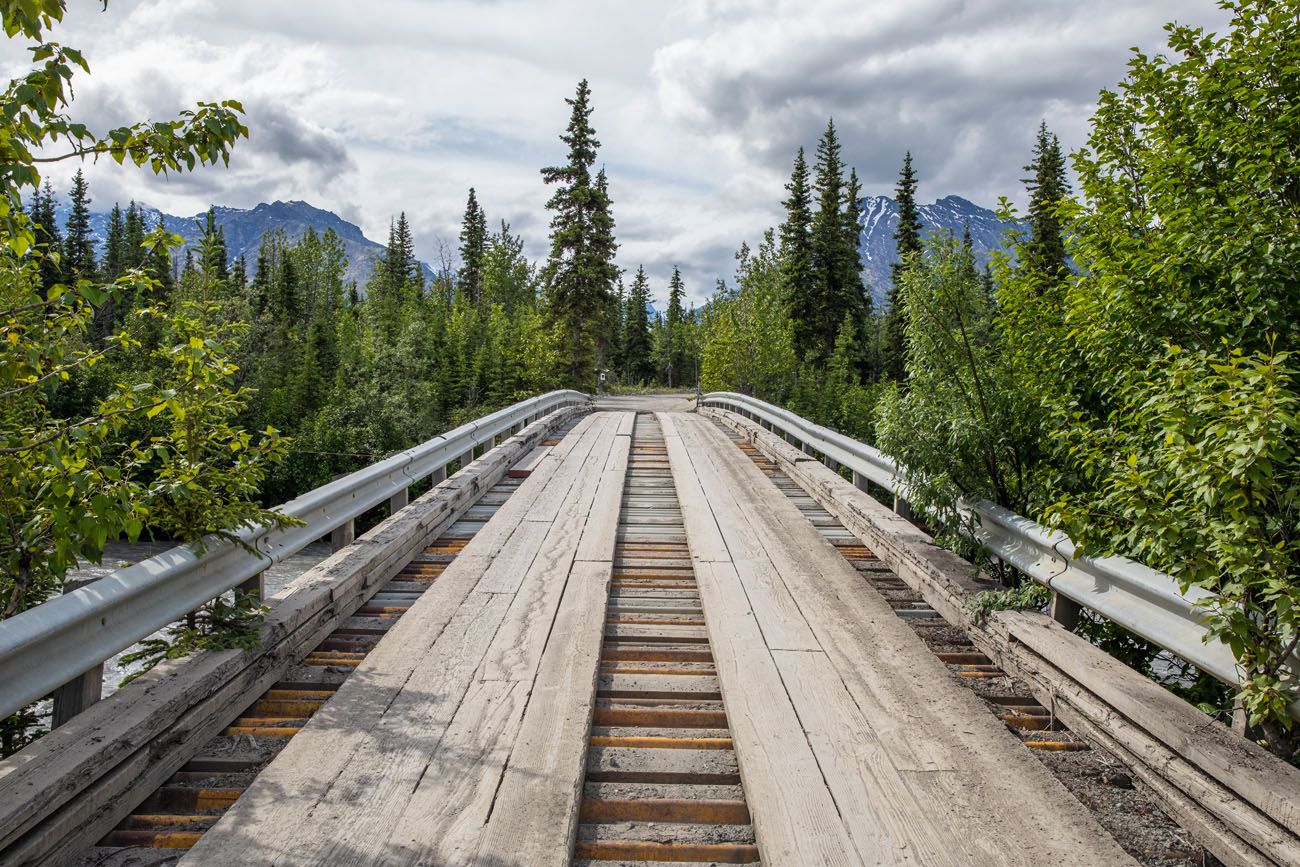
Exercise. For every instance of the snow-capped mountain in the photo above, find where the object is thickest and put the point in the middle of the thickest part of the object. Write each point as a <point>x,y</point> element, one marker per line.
<point>244,229</point>
<point>951,213</point>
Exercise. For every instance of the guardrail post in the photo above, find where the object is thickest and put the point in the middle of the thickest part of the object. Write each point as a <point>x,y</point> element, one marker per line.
<point>343,536</point>
<point>902,508</point>
<point>439,475</point>
<point>1065,611</point>
<point>256,586</point>
<point>1239,718</point>
<point>83,690</point>
<point>859,481</point>
<point>467,458</point>
<point>398,501</point>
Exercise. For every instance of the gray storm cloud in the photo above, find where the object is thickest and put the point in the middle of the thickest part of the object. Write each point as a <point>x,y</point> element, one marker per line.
<point>700,104</point>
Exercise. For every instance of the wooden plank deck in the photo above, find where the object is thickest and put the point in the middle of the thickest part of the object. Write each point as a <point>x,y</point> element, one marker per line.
<point>460,739</point>
<point>855,746</point>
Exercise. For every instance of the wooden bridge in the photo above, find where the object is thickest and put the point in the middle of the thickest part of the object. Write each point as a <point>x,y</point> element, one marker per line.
<point>638,635</point>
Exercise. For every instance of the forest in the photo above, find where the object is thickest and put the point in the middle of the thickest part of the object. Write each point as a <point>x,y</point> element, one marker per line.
<point>1124,371</point>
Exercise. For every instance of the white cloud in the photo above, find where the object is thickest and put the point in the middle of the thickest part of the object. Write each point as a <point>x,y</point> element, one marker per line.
<point>700,104</point>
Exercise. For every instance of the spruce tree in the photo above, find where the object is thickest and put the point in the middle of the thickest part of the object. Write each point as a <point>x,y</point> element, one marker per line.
<point>115,252</point>
<point>158,263</point>
<point>636,330</point>
<point>829,253</point>
<point>399,269</point>
<point>907,237</point>
<point>133,244</point>
<point>675,355</point>
<point>852,237</point>
<point>580,273</point>
<point>836,286</point>
<point>239,274</point>
<point>798,275</point>
<point>604,248</point>
<point>108,313</point>
<point>1048,186</point>
<point>214,254</point>
<point>473,244</point>
<point>78,246</point>
<point>47,236</point>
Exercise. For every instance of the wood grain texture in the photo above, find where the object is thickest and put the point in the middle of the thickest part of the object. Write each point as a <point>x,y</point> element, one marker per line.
<point>1223,789</point>
<point>889,699</point>
<point>796,819</point>
<point>72,786</point>
<point>706,540</point>
<point>535,816</point>
<point>403,765</point>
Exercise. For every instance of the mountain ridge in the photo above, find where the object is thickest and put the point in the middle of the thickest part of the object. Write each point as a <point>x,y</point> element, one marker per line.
<point>878,250</point>
<point>245,227</point>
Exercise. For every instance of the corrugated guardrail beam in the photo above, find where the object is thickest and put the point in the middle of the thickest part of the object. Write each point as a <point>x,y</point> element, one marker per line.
<point>1142,600</point>
<point>55,642</point>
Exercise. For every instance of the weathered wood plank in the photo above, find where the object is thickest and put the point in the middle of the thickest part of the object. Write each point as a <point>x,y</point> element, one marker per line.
<point>859,773</point>
<point>795,817</point>
<point>514,558</point>
<point>1097,694</point>
<point>535,817</point>
<point>924,721</point>
<point>69,788</point>
<point>778,614</point>
<point>441,819</point>
<point>598,537</point>
<point>422,735</point>
<point>943,579</point>
<point>517,650</point>
<point>1219,790</point>
<point>701,528</point>
<point>573,469</point>
<point>1241,764</point>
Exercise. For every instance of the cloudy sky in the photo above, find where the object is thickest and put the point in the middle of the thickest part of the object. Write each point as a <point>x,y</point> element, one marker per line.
<point>372,108</point>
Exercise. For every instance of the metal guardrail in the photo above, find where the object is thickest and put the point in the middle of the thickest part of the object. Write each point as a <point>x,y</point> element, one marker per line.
<point>55,642</point>
<point>1142,600</point>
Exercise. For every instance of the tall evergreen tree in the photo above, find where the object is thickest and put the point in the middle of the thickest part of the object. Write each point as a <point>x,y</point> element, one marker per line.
<point>107,315</point>
<point>604,248</point>
<point>907,237</point>
<point>852,238</point>
<point>580,274</point>
<point>115,252</point>
<point>473,244</point>
<point>798,273</point>
<point>636,330</point>
<point>133,243</point>
<point>78,246</point>
<point>675,354</point>
<point>1048,186</point>
<point>832,257</point>
<point>214,254</point>
<point>239,274</point>
<point>158,263</point>
<point>48,236</point>
<point>835,290</point>
<point>399,268</point>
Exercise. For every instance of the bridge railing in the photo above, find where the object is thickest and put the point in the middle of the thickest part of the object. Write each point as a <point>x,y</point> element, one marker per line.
<point>66,639</point>
<point>1144,601</point>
